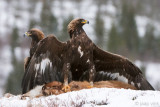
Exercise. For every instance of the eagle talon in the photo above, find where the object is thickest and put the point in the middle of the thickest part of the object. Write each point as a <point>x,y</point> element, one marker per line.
<point>90,86</point>
<point>66,88</point>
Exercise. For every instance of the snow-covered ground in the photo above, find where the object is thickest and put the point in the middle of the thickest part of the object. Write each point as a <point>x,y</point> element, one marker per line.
<point>105,97</point>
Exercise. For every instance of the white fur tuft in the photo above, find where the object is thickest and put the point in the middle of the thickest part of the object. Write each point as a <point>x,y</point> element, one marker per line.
<point>37,91</point>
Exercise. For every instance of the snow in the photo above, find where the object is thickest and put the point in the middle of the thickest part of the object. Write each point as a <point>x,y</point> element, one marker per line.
<point>109,97</point>
<point>37,11</point>
<point>152,72</point>
<point>5,66</point>
<point>142,22</point>
<point>111,8</point>
<point>13,13</point>
<point>3,5</point>
<point>108,22</point>
<point>18,53</point>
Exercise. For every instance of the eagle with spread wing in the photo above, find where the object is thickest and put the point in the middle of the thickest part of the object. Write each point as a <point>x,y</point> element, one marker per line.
<point>57,61</point>
<point>52,59</point>
<point>108,66</point>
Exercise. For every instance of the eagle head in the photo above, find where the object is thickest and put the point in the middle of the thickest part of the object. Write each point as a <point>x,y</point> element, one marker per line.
<point>76,24</point>
<point>35,34</point>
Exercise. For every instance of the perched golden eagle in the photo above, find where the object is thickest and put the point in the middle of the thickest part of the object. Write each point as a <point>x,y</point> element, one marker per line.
<point>108,66</point>
<point>46,64</point>
<point>53,60</point>
<point>36,35</point>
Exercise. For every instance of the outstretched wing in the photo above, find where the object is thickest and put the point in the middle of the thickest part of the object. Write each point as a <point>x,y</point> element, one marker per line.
<point>45,65</point>
<point>115,67</point>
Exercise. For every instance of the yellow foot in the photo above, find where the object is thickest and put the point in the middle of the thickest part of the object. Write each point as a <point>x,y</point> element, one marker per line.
<point>90,86</point>
<point>66,88</point>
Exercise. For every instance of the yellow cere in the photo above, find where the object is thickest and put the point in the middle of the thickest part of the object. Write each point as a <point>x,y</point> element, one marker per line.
<point>27,34</point>
<point>84,21</point>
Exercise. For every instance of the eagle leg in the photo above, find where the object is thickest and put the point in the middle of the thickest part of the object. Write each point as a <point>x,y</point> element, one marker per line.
<point>91,75</point>
<point>66,68</point>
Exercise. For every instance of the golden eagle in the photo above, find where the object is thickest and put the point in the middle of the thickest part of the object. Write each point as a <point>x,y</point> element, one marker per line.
<point>108,66</point>
<point>36,35</point>
<point>46,64</point>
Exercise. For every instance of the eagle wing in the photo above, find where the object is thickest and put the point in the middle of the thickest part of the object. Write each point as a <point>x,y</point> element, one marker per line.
<point>27,59</point>
<point>115,67</point>
<point>46,64</point>
<point>26,62</point>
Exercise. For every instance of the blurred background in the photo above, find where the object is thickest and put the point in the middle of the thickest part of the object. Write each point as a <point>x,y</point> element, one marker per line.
<point>127,27</point>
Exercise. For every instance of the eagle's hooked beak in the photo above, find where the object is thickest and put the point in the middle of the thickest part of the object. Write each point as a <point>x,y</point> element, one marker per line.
<point>85,22</point>
<point>26,34</point>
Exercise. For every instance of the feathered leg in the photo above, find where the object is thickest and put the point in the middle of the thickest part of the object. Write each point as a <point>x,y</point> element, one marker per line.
<point>66,68</point>
<point>92,72</point>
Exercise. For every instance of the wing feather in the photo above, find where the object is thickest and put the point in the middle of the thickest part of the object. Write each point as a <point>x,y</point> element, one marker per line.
<point>119,68</point>
<point>45,65</point>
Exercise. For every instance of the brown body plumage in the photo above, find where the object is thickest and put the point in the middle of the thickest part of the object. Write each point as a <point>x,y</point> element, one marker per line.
<point>82,48</point>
